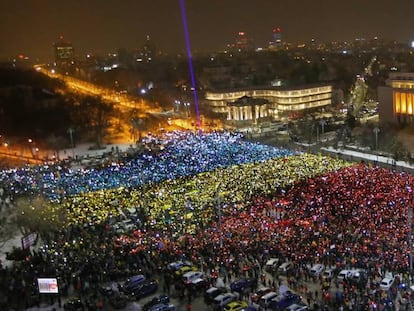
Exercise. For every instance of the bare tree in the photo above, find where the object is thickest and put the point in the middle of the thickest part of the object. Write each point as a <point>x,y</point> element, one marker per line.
<point>37,214</point>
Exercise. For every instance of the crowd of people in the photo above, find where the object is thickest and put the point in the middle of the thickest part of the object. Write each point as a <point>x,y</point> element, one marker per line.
<point>228,204</point>
<point>179,154</point>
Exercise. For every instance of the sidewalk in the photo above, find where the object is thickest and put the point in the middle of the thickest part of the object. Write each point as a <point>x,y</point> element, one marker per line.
<point>353,155</point>
<point>85,150</point>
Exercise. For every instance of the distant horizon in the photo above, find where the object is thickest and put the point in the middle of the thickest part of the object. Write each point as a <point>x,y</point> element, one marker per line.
<point>104,25</point>
<point>115,50</point>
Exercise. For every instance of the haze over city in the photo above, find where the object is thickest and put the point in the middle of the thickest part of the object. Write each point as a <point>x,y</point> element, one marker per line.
<point>30,27</point>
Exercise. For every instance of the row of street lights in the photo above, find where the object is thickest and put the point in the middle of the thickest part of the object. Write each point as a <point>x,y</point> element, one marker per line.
<point>9,151</point>
<point>178,104</point>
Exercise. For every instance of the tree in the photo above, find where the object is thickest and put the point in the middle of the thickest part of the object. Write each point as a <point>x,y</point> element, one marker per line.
<point>37,214</point>
<point>7,226</point>
<point>98,115</point>
<point>398,150</point>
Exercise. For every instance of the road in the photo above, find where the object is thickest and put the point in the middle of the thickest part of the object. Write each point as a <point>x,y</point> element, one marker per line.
<point>121,100</point>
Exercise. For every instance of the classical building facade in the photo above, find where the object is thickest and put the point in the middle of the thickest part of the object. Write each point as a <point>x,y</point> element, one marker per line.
<point>273,103</point>
<point>247,111</point>
<point>396,98</point>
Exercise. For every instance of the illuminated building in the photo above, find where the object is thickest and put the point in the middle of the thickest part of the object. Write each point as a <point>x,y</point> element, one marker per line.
<point>64,52</point>
<point>243,43</point>
<point>147,53</point>
<point>277,103</point>
<point>246,111</point>
<point>276,41</point>
<point>396,99</point>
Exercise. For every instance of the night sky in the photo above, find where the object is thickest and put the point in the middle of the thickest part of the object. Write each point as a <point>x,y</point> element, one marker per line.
<point>31,26</point>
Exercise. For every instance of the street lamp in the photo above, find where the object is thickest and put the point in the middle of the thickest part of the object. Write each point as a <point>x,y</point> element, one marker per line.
<point>187,108</point>
<point>70,131</point>
<point>376,131</point>
<point>177,104</point>
<point>322,123</point>
<point>6,145</point>
<point>31,147</point>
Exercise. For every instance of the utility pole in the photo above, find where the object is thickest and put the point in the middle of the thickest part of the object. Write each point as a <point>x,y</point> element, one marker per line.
<point>70,131</point>
<point>376,131</point>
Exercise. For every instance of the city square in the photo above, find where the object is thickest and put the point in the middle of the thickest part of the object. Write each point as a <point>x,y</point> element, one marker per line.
<point>224,214</point>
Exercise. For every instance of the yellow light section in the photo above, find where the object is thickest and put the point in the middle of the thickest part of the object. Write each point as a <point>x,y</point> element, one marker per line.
<point>403,103</point>
<point>410,103</point>
<point>397,105</point>
<point>402,84</point>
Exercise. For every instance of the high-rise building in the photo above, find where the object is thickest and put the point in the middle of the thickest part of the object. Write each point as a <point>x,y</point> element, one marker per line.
<point>64,52</point>
<point>148,50</point>
<point>276,40</point>
<point>243,43</point>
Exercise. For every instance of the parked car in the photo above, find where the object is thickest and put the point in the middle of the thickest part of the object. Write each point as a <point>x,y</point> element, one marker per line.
<point>223,299</point>
<point>359,277</point>
<point>184,269</point>
<point>132,283</point>
<point>328,274</point>
<point>110,289</point>
<point>236,305</point>
<point>387,283</point>
<point>191,276</point>
<point>272,264</point>
<point>174,266</point>
<point>344,274</point>
<point>282,301</point>
<point>212,293</point>
<point>266,299</point>
<point>297,307</point>
<point>145,289</point>
<point>240,286</point>
<point>163,307</point>
<point>162,299</point>
<point>260,293</point>
<point>317,269</point>
<point>285,267</point>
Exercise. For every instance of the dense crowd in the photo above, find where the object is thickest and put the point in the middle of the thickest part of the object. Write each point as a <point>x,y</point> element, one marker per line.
<point>228,213</point>
<point>180,154</point>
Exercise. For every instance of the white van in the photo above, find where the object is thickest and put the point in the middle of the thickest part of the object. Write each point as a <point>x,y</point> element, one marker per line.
<point>191,276</point>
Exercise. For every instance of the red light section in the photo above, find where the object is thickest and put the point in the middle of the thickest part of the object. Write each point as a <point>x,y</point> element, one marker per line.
<point>276,30</point>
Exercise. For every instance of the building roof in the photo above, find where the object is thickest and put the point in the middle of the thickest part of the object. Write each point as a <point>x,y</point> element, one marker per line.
<point>269,87</point>
<point>248,101</point>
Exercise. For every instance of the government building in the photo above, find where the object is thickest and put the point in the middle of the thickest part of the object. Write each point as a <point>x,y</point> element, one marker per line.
<point>396,98</point>
<point>253,106</point>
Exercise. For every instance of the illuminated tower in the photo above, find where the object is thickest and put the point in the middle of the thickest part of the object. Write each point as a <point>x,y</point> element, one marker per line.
<point>242,42</point>
<point>63,52</point>
<point>148,50</point>
<point>276,41</point>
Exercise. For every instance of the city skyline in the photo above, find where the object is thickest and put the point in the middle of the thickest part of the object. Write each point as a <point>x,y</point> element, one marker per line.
<point>31,27</point>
